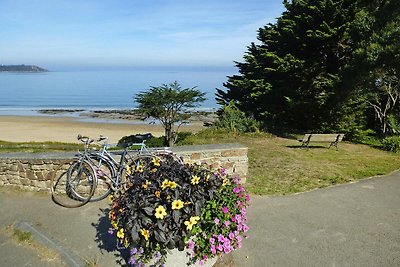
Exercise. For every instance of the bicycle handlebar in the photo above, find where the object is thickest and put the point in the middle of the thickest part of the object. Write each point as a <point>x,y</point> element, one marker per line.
<point>85,139</point>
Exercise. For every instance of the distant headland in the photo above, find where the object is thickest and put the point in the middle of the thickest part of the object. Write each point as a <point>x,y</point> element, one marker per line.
<point>21,68</point>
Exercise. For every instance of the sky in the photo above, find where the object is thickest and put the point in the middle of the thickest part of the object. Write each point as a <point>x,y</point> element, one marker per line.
<point>57,33</point>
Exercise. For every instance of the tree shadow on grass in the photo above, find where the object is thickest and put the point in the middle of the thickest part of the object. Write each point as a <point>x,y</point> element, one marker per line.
<point>107,241</point>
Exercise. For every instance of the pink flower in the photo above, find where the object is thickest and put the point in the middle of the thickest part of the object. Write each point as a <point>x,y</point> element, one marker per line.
<point>231,235</point>
<point>220,247</point>
<point>245,228</point>
<point>236,190</point>
<point>221,238</point>
<point>212,240</point>
<point>190,244</point>
<point>238,218</point>
<point>225,209</point>
<point>213,249</point>
<point>227,223</point>
<point>201,262</point>
<point>247,197</point>
<point>239,203</point>
<point>243,211</point>
<point>216,221</point>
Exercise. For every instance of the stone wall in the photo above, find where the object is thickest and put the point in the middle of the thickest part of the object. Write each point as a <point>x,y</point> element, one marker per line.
<point>33,171</point>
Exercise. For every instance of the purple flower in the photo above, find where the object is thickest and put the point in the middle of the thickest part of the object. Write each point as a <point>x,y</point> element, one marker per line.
<point>223,171</point>
<point>236,190</point>
<point>225,209</point>
<point>110,231</point>
<point>140,250</point>
<point>158,256</point>
<point>132,261</point>
<point>216,221</point>
<point>133,251</point>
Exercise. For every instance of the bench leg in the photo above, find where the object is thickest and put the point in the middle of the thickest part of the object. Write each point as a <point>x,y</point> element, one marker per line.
<point>335,144</point>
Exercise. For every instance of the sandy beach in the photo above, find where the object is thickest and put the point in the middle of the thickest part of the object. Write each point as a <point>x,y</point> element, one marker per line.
<point>65,129</point>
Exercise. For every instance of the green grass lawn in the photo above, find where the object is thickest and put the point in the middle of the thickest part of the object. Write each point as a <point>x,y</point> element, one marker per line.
<point>278,166</point>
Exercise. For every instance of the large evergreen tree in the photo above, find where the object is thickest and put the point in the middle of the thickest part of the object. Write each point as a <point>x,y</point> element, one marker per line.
<point>310,69</point>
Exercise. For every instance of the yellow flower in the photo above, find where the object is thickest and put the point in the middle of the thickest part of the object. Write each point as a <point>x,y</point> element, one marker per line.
<point>139,168</point>
<point>192,221</point>
<point>207,178</point>
<point>189,225</point>
<point>128,170</point>
<point>195,179</point>
<point>177,204</point>
<point>156,161</point>
<point>114,224</point>
<point>165,184</point>
<point>111,198</point>
<point>120,233</point>
<point>112,215</point>
<point>160,212</point>
<point>225,182</point>
<point>153,170</point>
<point>145,233</point>
<point>172,184</point>
<point>157,194</point>
<point>146,185</point>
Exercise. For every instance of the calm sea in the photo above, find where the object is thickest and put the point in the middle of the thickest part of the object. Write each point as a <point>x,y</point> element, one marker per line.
<point>23,92</point>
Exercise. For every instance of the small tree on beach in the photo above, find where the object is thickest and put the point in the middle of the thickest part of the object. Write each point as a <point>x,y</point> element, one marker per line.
<point>168,103</point>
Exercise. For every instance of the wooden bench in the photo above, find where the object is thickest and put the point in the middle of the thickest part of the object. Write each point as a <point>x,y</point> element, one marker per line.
<point>334,139</point>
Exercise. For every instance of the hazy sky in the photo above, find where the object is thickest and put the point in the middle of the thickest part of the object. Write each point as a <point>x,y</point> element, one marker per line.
<point>131,32</point>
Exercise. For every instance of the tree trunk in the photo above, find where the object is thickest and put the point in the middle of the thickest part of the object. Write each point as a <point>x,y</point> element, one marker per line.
<point>169,135</point>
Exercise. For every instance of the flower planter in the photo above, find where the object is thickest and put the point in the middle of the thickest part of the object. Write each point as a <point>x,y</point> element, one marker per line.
<point>179,258</point>
<point>171,205</point>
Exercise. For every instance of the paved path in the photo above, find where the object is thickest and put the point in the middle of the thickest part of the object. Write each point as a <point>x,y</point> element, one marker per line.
<point>349,225</point>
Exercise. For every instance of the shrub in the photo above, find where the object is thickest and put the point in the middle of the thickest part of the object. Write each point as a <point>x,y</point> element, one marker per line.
<point>367,137</point>
<point>391,143</point>
<point>169,205</point>
<point>236,121</point>
<point>151,141</point>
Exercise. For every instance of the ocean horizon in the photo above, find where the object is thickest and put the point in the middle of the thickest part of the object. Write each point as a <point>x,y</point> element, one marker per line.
<point>27,93</point>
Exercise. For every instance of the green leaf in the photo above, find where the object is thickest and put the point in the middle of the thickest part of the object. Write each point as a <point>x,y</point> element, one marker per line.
<point>160,236</point>
<point>148,210</point>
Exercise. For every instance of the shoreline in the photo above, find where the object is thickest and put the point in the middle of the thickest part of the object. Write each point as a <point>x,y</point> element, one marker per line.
<point>23,128</point>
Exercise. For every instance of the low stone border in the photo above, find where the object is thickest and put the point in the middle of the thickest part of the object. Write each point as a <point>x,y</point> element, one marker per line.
<point>33,171</point>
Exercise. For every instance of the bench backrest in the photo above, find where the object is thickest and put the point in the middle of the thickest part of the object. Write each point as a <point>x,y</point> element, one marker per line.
<point>322,137</point>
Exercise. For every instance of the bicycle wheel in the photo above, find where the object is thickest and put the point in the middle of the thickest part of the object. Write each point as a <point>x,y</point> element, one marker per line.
<point>106,174</point>
<point>81,180</point>
<point>61,190</point>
